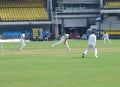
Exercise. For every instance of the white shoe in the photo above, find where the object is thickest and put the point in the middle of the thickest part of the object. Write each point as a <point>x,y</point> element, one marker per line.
<point>52,45</point>
<point>24,44</point>
<point>96,56</point>
<point>83,55</point>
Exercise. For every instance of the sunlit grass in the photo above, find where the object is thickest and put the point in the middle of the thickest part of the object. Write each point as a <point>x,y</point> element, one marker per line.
<point>40,65</point>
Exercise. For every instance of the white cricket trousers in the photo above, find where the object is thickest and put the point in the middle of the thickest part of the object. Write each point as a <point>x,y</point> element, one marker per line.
<point>59,42</point>
<point>22,44</point>
<point>107,39</point>
<point>89,47</point>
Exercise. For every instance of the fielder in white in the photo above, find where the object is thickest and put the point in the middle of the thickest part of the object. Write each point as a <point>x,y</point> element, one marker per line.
<point>106,38</point>
<point>64,39</point>
<point>22,41</point>
<point>91,44</point>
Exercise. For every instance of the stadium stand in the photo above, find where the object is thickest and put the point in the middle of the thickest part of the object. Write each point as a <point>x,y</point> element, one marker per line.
<point>112,28</point>
<point>23,10</point>
<point>111,22</point>
<point>69,15</point>
<point>112,4</point>
<point>23,14</point>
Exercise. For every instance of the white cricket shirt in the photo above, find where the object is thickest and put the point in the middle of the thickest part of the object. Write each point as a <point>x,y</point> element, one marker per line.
<point>92,39</point>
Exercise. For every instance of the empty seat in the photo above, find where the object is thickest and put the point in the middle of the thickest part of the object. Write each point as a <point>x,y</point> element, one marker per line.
<point>23,10</point>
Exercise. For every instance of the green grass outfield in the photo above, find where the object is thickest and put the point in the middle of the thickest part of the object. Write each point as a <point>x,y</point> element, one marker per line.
<point>40,65</point>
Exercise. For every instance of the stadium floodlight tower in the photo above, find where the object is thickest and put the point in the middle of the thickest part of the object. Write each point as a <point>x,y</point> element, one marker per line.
<point>51,9</point>
<point>56,19</point>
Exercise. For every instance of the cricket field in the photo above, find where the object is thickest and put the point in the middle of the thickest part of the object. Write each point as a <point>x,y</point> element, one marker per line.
<point>40,65</point>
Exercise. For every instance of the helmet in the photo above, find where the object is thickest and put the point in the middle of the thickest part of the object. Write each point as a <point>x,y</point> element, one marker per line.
<point>89,31</point>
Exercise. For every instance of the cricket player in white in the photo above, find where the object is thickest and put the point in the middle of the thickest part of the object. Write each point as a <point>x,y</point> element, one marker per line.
<point>22,41</point>
<point>91,44</point>
<point>65,39</point>
<point>106,38</point>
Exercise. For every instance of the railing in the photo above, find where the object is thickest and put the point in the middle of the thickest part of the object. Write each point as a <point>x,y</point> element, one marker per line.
<point>80,0</point>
